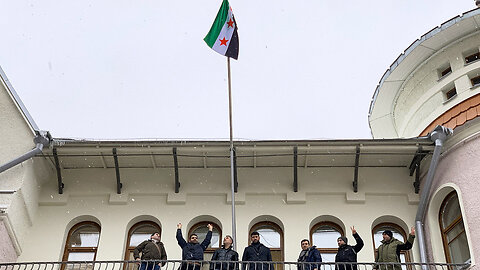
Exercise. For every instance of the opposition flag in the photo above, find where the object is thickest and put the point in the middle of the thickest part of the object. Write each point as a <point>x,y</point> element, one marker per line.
<point>223,36</point>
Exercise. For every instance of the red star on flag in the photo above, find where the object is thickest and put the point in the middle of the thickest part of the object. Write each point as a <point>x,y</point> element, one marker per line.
<point>223,41</point>
<point>230,23</point>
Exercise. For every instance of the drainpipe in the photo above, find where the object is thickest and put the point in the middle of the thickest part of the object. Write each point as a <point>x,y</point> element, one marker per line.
<point>438,135</point>
<point>41,140</point>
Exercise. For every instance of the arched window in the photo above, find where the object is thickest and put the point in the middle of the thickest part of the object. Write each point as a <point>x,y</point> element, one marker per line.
<point>324,235</point>
<point>201,230</point>
<point>398,233</point>
<point>453,231</point>
<point>81,244</point>
<point>271,235</point>
<point>138,233</point>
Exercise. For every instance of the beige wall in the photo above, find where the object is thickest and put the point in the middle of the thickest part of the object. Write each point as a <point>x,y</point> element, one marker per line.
<point>20,184</point>
<point>385,194</point>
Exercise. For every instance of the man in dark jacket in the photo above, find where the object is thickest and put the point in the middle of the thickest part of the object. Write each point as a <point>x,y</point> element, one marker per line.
<point>389,250</point>
<point>257,252</point>
<point>225,253</point>
<point>193,251</point>
<point>307,255</point>
<point>346,257</point>
<point>151,249</point>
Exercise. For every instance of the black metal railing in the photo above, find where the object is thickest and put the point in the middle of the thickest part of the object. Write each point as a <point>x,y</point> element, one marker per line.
<point>223,265</point>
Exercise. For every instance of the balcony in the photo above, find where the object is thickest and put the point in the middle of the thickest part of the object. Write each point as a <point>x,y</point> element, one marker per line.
<point>207,265</point>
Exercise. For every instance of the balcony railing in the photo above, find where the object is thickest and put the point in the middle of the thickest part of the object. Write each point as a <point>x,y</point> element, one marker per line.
<point>223,265</point>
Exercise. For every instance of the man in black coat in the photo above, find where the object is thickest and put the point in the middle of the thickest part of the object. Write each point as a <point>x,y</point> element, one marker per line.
<point>153,250</point>
<point>257,252</point>
<point>225,253</point>
<point>193,251</point>
<point>346,257</point>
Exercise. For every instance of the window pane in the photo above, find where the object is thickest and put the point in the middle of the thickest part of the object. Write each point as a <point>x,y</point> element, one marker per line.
<point>455,231</point>
<point>85,236</point>
<point>459,249</point>
<point>378,237</point>
<point>325,237</point>
<point>202,233</point>
<point>451,211</point>
<point>269,237</point>
<point>142,233</point>
<point>328,257</point>
<point>138,238</point>
<point>81,256</point>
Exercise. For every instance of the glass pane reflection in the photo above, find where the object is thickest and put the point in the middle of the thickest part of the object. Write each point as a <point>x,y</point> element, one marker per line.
<point>269,237</point>
<point>202,233</point>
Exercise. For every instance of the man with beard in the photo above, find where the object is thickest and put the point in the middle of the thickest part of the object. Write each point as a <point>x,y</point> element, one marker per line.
<point>308,255</point>
<point>225,253</point>
<point>346,257</point>
<point>193,251</point>
<point>257,252</point>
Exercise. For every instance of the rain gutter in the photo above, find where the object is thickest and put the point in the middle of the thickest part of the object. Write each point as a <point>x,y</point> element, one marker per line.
<point>438,135</point>
<point>42,139</point>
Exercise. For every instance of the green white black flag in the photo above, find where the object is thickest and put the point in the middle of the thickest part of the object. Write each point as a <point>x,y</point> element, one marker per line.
<point>223,36</point>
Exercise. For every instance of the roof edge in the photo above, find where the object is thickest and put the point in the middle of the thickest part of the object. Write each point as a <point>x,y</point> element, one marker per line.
<point>18,102</point>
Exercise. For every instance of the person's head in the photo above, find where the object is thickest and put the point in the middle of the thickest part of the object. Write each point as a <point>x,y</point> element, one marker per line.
<point>387,235</point>
<point>155,236</point>
<point>227,241</point>
<point>255,237</point>
<point>193,238</point>
<point>342,240</point>
<point>305,244</point>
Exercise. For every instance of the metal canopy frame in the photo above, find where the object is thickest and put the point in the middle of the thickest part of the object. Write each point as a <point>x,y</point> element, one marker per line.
<point>355,174</point>
<point>59,171</point>
<point>212,155</point>
<point>415,167</point>
<point>175,164</point>
<point>117,171</point>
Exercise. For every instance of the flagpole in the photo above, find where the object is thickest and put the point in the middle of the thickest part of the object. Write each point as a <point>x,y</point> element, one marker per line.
<point>232,171</point>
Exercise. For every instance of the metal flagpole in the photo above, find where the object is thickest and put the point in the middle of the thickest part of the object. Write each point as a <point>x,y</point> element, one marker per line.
<point>232,172</point>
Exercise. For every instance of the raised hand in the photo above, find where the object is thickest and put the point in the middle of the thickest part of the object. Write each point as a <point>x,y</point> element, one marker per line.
<point>179,226</point>
<point>412,231</point>
<point>210,227</point>
<point>353,230</point>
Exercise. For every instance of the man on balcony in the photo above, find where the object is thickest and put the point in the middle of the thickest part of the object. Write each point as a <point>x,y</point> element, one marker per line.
<point>257,252</point>
<point>225,257</point>
<point>152,250</point>
<point>389,250</point>
<point>193,251</point>
<point>346,257</point>
<point>308,255</point>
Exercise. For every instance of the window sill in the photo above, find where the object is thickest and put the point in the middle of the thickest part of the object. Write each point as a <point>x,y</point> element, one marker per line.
<point>467,64</point>
<point>475,86</point>
<point>444,76</point>
<point>448,100</point>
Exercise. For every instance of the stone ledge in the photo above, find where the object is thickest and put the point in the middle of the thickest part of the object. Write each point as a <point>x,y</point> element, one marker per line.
<point>54,199</point>
<point>118,199</point>
<point>239,198</point>
<point>296,198</point>
<point>352,197</point>
<point>176,198</point>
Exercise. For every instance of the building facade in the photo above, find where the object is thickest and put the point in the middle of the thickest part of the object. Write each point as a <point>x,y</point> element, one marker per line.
<point>96,199</point>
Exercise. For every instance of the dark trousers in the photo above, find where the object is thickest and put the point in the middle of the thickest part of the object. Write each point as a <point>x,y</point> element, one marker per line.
<point>149,266</point>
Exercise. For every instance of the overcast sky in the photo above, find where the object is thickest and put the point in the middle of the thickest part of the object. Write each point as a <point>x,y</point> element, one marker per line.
<point>307,69</point>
